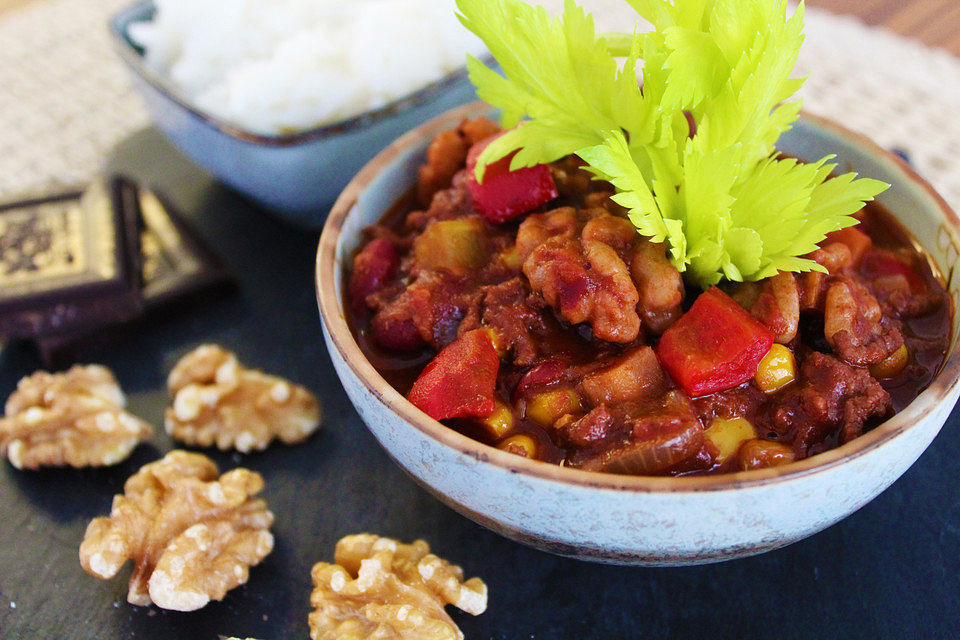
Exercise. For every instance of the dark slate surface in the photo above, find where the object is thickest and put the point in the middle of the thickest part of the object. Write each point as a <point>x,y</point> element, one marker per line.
<point>892,570</point>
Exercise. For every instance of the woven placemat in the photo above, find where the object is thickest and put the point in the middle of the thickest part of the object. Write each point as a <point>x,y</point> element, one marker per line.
<point>65,100</point>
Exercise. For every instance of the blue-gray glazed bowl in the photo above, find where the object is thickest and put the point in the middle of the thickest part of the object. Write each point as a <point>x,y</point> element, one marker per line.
<point>296,175</point>
<point>636,519</point>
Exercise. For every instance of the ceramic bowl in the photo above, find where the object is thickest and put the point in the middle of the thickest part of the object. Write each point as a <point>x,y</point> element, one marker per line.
<point>627,519</point>
<point>297,175</point>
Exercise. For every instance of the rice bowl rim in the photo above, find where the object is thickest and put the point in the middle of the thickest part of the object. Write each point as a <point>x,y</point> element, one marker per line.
<point>132,55</point>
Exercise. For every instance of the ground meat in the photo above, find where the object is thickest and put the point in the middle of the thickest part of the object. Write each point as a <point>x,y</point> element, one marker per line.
<point>831,401</point>
<point>739,402</point>
<point>435,303</point>
<point>447,154</point>
<point>448,204</point>
<point>504,308</point>
<point>587,431</point>
<point>854,325</point>
<point>898,300</point>
<point>896,282</point>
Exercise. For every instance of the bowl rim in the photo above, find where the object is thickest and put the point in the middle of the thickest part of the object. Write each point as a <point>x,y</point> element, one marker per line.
<point>941,387</point>
<point>132,56</point>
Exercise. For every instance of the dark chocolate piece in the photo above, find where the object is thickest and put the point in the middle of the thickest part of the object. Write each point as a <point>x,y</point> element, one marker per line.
<point>174,265</point>
<point>69,262</point>
<point>175,262</point>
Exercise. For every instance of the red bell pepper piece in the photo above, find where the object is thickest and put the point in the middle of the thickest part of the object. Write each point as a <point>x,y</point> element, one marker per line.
<point>716,345</point>
<point>373,268</point>
<point>506,194</point>
<point>857,241</point>
<point>460,381</point>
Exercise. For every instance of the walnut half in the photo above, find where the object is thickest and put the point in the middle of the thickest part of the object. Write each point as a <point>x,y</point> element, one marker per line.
<point>381,588</point>
<point>74,418</point>
<point>218,401</point>
<point>192,534</point>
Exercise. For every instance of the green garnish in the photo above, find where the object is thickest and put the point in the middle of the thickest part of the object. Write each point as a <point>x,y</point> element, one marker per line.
<point>726,203</point>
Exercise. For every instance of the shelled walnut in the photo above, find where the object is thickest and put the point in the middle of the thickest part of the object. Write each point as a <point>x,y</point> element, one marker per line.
<point>381,588</point>
<point>74,418</point>
<point>218,401</point>
<point>191,533</point>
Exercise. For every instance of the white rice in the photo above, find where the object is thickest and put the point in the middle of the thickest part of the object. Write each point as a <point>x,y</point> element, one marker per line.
<point>275,66</point>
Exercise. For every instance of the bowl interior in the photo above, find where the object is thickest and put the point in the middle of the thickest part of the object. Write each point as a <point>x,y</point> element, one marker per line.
<point>389,176</point>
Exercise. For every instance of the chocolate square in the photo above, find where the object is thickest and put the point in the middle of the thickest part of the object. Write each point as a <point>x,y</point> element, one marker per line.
<point>69,262</point>
<point>174,264</point>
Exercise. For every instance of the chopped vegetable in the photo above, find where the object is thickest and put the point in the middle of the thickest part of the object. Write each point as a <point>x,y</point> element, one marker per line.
<point>716,345</point>
<point>373,268</point>
<point>459,382</point>
<point>728,206</point>
<point>505,194</point>
<point>547,407</point>
<point>455,245</point>
<point>892,364</point>
<point>520,445</point>
<point>727,435</point>
<point>777,369</point>
<point>857,241</point>
<point>497,338</point>
<point>499,422</point>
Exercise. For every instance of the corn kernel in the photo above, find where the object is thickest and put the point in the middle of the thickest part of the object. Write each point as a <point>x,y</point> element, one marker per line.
<point>511,258</point>
<point>521,445</point>
<point>726,436</point>
<point>892,365</point>
<point>777,369</point>
<point>548,407</point>
<point>500,422</point>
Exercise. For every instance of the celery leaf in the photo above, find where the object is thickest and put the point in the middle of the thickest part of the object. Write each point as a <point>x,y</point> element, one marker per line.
<point>722,199</point>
